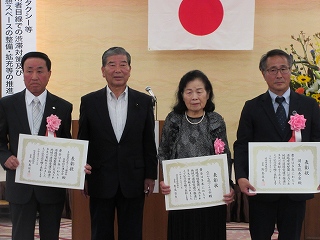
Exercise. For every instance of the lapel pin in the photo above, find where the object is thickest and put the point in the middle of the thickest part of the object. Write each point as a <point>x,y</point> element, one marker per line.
<point>53,107</point>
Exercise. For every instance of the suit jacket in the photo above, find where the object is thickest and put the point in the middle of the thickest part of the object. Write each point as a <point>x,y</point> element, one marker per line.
<point>258,123</point>
<point>13,121</point>
<point>125,163</point>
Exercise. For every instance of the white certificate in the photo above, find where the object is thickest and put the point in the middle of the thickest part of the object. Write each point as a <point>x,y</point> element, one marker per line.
<point>51,161</point>
<point>284,167</point>
<point>196,182</point>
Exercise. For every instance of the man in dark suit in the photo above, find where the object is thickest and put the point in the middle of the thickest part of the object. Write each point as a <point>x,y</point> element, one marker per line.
<point>258,123</point>
<point>15,118</point>
<point>119,124</point>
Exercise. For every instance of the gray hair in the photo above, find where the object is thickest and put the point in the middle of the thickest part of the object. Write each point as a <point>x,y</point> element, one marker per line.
<point>115,51</point>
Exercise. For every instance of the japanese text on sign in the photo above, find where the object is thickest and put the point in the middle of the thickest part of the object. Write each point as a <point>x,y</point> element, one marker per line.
<point>18,21</point>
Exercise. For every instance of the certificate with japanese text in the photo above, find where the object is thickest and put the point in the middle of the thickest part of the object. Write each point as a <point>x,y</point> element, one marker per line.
<point>196,182</point>
<point>51,161</point>
<point>284,167</point>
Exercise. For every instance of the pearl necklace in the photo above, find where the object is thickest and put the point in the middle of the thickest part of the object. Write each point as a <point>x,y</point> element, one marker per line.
<point>194,123</point>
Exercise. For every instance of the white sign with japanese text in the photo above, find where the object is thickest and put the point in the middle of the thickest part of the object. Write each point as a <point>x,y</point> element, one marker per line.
<point>284,167</point>
<point>18,36</point>
<point>196,182</point>
<point>51,161</point>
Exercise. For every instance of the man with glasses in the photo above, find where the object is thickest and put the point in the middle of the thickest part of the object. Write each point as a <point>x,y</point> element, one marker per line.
<point>259,123</point>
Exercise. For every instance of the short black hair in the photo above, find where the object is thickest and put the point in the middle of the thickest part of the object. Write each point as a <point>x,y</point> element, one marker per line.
<point>37,55</point>
<point>271,53</point>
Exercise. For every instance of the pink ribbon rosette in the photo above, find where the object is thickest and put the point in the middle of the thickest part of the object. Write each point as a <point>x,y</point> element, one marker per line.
<point>218,146</point>
<point>53,124</point>
<point>297,122</point>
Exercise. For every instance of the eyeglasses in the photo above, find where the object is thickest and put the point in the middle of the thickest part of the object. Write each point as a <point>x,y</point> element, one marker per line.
<point>274,71</point>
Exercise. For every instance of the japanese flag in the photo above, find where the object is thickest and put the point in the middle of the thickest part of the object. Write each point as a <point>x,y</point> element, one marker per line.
<point>200,24</point>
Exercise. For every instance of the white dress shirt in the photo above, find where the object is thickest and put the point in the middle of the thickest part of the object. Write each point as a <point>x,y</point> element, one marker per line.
<point>285,103</point>
<point>29,97</point>
<point>118,108</point>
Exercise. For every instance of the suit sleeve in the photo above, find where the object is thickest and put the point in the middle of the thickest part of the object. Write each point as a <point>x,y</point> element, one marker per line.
<point>244,136</point>
<point>66,124</point>
<point>315,124</point>
<point>83,132</point>
<point>169,134</point>
<point>150,151</point>
<point>4,151</point>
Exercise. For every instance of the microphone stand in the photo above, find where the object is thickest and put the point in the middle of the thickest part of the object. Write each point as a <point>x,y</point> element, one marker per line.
<point>154,101</point>
<point>155,108</point>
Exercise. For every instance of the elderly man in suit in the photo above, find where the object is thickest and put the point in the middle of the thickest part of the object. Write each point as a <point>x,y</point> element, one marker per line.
<point>16,116</point>
<point>118,121</point>
<point>258,123</point>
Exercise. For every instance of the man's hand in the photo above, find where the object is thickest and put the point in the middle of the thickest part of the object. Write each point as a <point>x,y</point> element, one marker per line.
<point>12,163</point>
<point>87,169</point>
<point>229,198</point>
<point>245,185</point>
<point>148,186</point>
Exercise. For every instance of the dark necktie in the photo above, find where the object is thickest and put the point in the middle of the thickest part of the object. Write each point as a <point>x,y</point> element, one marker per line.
<point>281,113</point>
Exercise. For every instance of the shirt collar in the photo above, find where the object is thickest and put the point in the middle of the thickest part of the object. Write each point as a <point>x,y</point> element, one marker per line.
<point>42,97</point>
<point>286,96</point>
<point>110,94</point>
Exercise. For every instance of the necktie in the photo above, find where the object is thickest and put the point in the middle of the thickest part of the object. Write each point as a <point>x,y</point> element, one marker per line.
<point>36,115</point>
<point>281,113</point>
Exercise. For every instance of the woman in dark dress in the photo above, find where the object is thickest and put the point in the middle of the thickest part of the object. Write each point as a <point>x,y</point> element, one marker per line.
<point>190,131</point>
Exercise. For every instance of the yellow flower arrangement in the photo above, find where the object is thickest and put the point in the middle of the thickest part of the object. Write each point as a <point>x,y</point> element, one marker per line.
<point>305,74</point>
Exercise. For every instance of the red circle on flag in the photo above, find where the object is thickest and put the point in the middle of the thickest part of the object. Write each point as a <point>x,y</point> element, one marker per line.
<point>201,17</point>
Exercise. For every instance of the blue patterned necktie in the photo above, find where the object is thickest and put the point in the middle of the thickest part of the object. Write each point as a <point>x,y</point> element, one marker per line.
<point>281,113</point>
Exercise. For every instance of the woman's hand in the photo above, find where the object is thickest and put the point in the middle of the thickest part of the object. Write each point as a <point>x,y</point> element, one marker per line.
<point>165,189</point>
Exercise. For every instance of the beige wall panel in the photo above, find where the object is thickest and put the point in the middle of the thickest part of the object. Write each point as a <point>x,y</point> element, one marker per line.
<point>75,34</point>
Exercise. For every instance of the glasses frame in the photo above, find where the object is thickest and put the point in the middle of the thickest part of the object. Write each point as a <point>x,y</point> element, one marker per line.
<point>282,70</point>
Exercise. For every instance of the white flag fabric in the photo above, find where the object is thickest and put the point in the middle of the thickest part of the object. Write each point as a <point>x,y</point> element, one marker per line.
<point>200,24</point>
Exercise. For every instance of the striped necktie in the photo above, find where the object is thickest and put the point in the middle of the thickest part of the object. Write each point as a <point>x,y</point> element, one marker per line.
<point>36,115</point>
